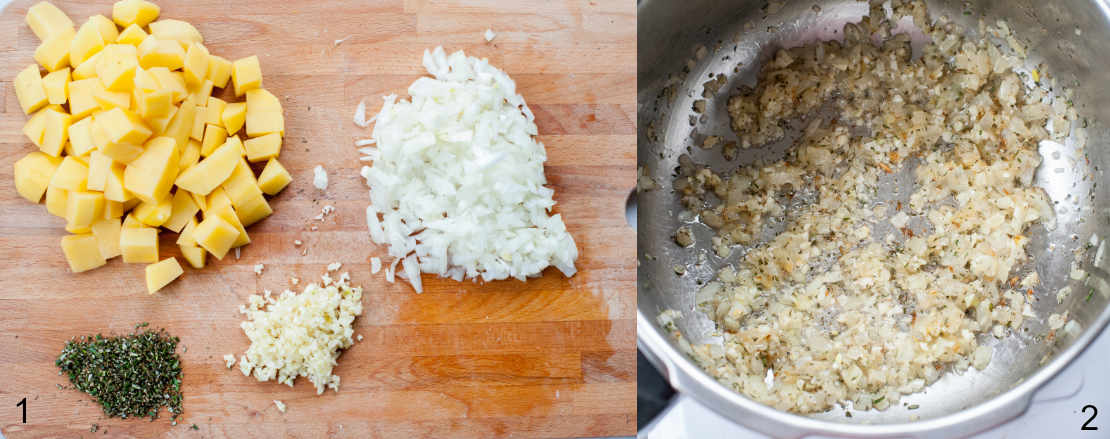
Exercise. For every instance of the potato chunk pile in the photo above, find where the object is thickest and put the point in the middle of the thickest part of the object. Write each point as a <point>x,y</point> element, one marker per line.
<point>131,141</point>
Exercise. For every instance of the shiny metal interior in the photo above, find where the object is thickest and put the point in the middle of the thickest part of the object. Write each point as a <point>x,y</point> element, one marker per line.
<point>1071,39</point>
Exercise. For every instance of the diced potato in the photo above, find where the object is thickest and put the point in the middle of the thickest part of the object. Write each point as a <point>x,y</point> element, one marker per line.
<point>83,208</point>
<point>216,200</point>
<point>71,175</point>
<point>86,69</point>
<point>181,125</point>
<point>123,126</point>
<point>253,208</point>
<point>185,237</point>
<point>82,252</point>
<point>29,89</point>
<point>145,81</point>
<point>228,214</point>
<point>33,173</point>
<point>219,71</point>
<point>176,30</point>
<point>139,244</point>
<point>113,186</point>
<point>100,166</point>
<point>161,274</point>
<point>56,201</point>
<point>35,128</point>
<point>216,235</point>
<point>56,84</point>
<point>273,178</point>
<point>80,136</point>
<point>129,222</point>
<point>159,124</point>
<point>116,67</point>
<point>246,74</point>
<point>153,104</point>
<point>214,137</point>
<point>151,176</point>
<point>156,52</point>
<point>138,13</point>
<point>107,231</point>
<point>133,35</point>
<point>154,214</point>
<point>46,20</point>
<point>53,53</point>
<point>233,117</point>
<point>190,156</point>
<point>263,148</point>
<point>197,131</point>
<point>85,43</point>
<point>196,63</point>
<point>240,184</point>
<point>113,209</point>
<point>264,114</point>
<point>104,26</point>
<point>183,208</point>
<point>201,200</point>
<point>173,81</point>
<point>81,100</point>
<point>124,153</point>
<point>214,116</point>
<point>194,255</point>
<point>108,100</point>
<point>205,176</point>
<point>201,92</point>
<point>57,132</point>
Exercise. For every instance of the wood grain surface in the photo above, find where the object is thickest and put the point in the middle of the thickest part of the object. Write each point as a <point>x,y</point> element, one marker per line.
<point>553,357</point>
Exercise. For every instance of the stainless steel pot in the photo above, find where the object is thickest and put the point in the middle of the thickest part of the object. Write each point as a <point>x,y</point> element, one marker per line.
<point>1072,39</point>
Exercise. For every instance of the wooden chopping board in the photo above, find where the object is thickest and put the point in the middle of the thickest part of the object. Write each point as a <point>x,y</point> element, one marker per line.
<point>552,357</point>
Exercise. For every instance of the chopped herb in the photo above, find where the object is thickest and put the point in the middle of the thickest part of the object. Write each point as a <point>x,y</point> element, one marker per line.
<point>1090,294</point>
<point>194,427</point>
<point>133,375</point>
<point>881,398</point>
<point>94,428</point>
<point>914,407</point>
<point>967,12</point>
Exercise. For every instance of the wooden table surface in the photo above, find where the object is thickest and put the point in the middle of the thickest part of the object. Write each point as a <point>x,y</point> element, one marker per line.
<point>552,357</point>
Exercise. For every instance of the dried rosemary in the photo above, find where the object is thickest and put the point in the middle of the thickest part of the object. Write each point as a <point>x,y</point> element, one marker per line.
<point>133,375</point>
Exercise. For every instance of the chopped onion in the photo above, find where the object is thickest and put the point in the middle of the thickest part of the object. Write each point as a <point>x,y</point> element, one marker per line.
<point>457,178</point>
<point>320,177</point>
<point>489,35</point>
<point>360,115</point>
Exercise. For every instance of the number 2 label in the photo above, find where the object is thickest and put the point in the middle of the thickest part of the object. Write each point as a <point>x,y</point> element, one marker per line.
<point>1094,412</point>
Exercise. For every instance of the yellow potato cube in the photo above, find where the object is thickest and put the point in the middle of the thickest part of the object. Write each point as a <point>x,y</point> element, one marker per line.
<point>227,213</point>
<point>161,274</point>
<point>214,114</point>
<point>80,136</point>
<point>156,52</point>
<point>108,100</point>
<point>196,63</point>
<point>253,208</point>
<point>100,166</point>
<point>181,125</point>
<point>57,132</point>
<point>46,20</point>
<point>71,175</point>
<point>83,209</point>
<point>151,176</point>
<point>137,13</point>
<point>82,252</point>
<point>105,27</point>
<point>81,100</point>
<point>123,126</point>
<point>33,173</point>
<point>56,84</point>
<point>217,200</point>
<point>263,114</point>
<point>85,43</point>
<point>214,137</point>
<point>35,128</point>
<point>216,235</point>
<point>183,208</point>
<point>263,148</point>
<point>201,200</point>
<point>154,214</point>
<point>53,53</point>
<point>233,117</point>
<point>194,255</point>
<point>124,153</point>
<point>113,186</point>
<point>190,156</point>
<point>205,176</point>
<point>201,92</point>
<point>107,231</point>
<point>145,81</point>
<point>241,183</point>
<point>173,81</point>
<point>133,35</point>
<point>176,30</point>
<point>246,74</point>
<point>185,237</point>
<point>29,89</point>
<point>273,178</point>
<point>86,69</point>
<point>159,124</point>
<point>116,67</point>
<point>138,244</point>
<point>153,104</point>
<point>219,71</point>
<point>113,209</point>
<point>56,199</point>
<point>197,131</point>
<point>130,222</point>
